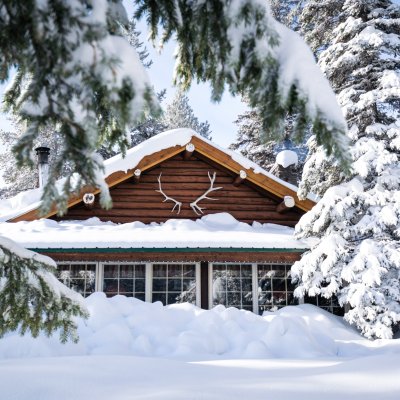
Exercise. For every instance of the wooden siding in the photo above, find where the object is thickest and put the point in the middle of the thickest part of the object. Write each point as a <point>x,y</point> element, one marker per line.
<point>185,181</point>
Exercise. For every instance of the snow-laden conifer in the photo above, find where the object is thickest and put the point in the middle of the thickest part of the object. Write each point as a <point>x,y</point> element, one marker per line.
<point>357,222</point>
<point>254,143</point>
<point>179,114</point>
<point>31,298</point>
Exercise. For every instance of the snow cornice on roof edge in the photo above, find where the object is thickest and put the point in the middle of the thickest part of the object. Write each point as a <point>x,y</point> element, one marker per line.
<point>164,146</point>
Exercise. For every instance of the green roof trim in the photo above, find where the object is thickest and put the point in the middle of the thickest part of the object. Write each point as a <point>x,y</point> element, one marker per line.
<point>169,250</point>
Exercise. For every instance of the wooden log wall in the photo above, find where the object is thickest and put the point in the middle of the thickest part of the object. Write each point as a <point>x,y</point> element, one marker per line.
<point>185,181</point>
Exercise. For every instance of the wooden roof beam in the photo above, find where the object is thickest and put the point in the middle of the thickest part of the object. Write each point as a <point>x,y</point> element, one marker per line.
<point>136,175</point>
<point>287,203</point>
<point>189,149</point>
<point>240,178</point>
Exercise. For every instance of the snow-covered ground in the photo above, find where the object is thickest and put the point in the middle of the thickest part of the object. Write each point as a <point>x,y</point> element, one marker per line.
<point>129,349</point>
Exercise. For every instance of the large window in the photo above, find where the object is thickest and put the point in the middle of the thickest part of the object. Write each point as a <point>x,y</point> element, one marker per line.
<point>166,282</point>
<point>255,287</point>
<point>232,285</point>
<point>126,279</point>
<point>249,286</point>
<point>174,283</point>
<point>80,277</point>
<point>274,287</point>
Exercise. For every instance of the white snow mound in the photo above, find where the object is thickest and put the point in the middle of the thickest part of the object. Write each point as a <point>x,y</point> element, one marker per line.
<point>286,158</point>
<point>127,326</point>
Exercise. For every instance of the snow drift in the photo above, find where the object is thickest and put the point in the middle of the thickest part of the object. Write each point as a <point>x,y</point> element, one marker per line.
<point>127,326</point>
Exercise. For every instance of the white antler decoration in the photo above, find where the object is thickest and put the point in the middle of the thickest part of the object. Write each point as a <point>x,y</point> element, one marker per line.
<point>194,205</point>
<point>177,203</point>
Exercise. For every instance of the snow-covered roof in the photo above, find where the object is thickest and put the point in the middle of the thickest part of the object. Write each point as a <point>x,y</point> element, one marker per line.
<point>219,230</point>
<point>30,200</point>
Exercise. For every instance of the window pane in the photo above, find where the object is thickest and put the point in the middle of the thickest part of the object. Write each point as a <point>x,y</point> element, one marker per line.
<point>246,270</point>
<point>174,271</point>
<point>265,298</point>
<point>77,270</point>
<point>278,271</point>
<point>159,270</point>
<point>140,296</point>
<point>110,286</point>
<point>126,271</point>
<point>159,285</point>
<point>159,297</point>
<point>247,285</point>
<point>279,298</point>
<point>126,285</point>
<point>174,285</point>
<point>140,271</point>
<point>174,297</point>
<point>188,284</point>
<point>189,271</point>
<point>110,271</point>
<point>247,298</point>
<point>234,270</point>
<point>139,285</point>
<point>78,285</point>
<point>278,285</point>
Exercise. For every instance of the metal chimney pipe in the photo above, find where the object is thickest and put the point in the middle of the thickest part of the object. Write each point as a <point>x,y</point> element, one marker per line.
<point>43,161</point>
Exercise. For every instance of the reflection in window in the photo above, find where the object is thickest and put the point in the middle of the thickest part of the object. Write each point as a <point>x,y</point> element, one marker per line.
<point>174,283</point>
<point>125,279</point>
<point>79,277</point>
<point>232,285</point>
<point>275,289</point>
<point>331,305</point>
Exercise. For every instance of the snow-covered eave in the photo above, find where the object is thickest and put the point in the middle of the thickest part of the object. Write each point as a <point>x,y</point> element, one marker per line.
<point>171,142</point>
<point>219,232</point>
<point>169,249</point>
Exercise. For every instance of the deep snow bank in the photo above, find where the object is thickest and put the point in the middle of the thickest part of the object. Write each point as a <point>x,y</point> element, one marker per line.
<point>127,326</point>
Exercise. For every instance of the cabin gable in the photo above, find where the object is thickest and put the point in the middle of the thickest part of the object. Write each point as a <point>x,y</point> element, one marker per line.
<point>185,180</point>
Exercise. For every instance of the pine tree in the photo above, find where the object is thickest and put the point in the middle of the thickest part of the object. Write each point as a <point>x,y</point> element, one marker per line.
<point>317,21</point>
<point>133,36</point>
<point>287,12</point>
<point>150,127</point>
<point>32,299</point>
<point>249,141</point>
<point>76,71</point>
<point>18,179</point>
<point>252,141</point>
<point>179,114</point>
<point>357,222</point>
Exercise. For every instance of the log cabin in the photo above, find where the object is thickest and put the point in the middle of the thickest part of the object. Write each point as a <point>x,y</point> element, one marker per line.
<point>190,221</point>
